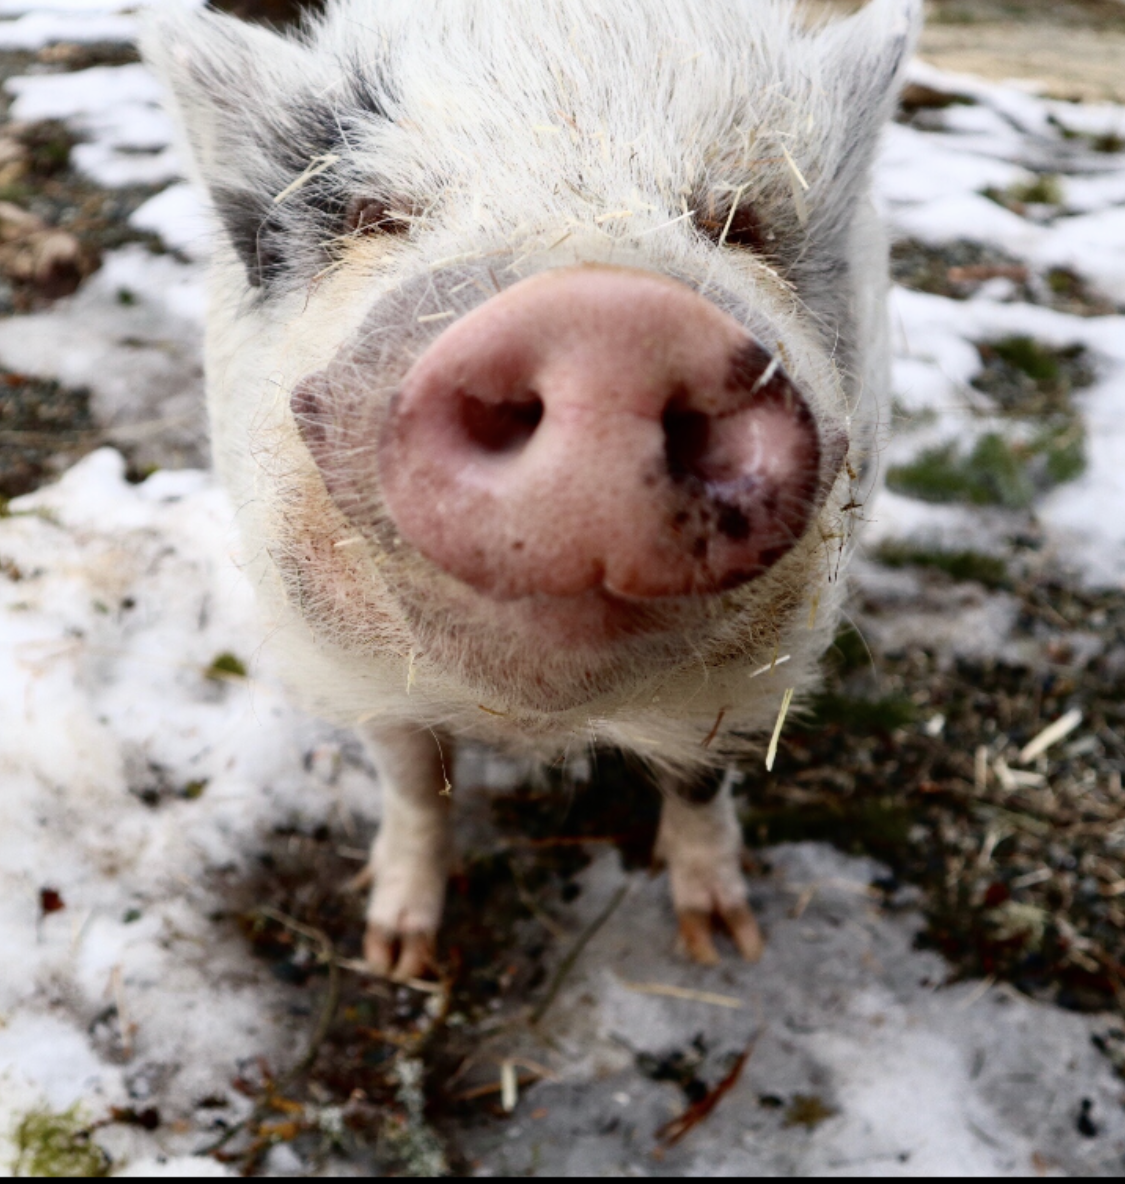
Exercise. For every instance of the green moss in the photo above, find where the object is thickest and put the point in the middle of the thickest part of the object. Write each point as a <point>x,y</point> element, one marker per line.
<point>48,146</point>
<point>1063,449</point>
<point>226,666</point>
<point>874,826</point>
<point>808,1111</point>
<point>861,715</point>
<point>17,193</point>
<point>194,789</point>
<point>992,474</point>
<point>1062,281</point>
<point>52,1145</point>
<point>1044,190</point>
<point>126,297</point>
<point>996,473</point>
<point>988,570</point>
<point>1110,142</point>
<point>1037,361</point>
<point>849,651</point>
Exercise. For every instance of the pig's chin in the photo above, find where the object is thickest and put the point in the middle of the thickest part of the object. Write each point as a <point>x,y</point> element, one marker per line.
<point>555,653</point>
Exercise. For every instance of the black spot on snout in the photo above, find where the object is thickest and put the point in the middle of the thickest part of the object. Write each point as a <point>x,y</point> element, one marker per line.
<point>687,434</point>
<point>733,523</point>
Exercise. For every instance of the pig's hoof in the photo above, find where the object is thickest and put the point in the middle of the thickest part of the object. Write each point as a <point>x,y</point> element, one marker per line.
<point>709,892</point>
<point>398,955</point>
<point>696,933</point>
<point>404,913</point>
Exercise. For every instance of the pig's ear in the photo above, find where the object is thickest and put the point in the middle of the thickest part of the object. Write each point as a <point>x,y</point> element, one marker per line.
<point>862,61</point>
<point>246,101</point>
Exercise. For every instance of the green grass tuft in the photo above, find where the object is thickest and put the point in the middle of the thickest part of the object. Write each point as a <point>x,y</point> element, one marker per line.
<point>226,666</point>
<point>988,570</point>
<point>991,475</point>
<point>1037,361</point>
<point>862,715</point>
<point>53,1145</point>
<point>1044,190</point>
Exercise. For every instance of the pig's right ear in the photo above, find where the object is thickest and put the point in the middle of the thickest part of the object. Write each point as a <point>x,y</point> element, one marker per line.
<point>236,88</point>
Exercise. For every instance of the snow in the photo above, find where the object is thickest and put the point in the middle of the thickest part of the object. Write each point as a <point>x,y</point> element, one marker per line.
<point>118,109</point>
<point>38,29</point>
<point>127,593</point>
<point>179,217</point>
<point>71,8</point>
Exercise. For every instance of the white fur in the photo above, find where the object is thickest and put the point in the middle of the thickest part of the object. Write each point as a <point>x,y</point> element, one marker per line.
<point>513,137</point>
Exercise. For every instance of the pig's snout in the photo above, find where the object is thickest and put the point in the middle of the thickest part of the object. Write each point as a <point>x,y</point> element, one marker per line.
<point>599,428</point>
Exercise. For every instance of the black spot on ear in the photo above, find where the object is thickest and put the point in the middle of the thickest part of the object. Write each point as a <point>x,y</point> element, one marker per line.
<point>246,219</point>
<point>286,229</point>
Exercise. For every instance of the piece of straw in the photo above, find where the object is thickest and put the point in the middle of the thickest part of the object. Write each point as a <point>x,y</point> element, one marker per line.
<point>1051,734</point>
<point>772,753</point>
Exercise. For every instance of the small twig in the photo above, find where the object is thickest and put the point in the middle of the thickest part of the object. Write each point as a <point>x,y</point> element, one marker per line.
<point>672,1132</point>
<point>714,728</point>
<point>492,1087</point>
<point>673,992</point>
<point>567,964</point>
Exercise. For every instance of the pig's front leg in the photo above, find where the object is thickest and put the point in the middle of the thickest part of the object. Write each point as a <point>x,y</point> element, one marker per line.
<point>410,859</point>
<point>701,843</point>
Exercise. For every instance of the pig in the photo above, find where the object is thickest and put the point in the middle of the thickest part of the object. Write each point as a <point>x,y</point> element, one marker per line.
<point>546,356</point>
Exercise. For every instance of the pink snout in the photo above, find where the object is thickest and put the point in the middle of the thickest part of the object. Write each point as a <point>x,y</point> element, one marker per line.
<point>599,428</point>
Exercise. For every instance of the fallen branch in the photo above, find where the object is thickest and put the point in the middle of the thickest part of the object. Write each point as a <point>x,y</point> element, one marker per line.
<point>567,964</point>
<point>672,1132</point>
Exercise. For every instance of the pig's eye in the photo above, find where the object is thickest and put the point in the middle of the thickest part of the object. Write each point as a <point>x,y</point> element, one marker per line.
<point>743,229</point>
<point>366,215</point>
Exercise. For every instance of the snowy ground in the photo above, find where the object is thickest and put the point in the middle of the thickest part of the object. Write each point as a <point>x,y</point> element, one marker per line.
<point>138,778</point>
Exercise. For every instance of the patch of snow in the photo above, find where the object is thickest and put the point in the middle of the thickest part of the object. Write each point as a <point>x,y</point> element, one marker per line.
<point>118,109</point>
<point>125,595</point>
<point>133,336</point>
<point>74,7</point>
<point>38,29</point>
<point>180,218</point>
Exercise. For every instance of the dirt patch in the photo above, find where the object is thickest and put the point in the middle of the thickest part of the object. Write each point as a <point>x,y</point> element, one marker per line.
<point>959,270</point>
<point>44,427</point>
<point>1020,861</point>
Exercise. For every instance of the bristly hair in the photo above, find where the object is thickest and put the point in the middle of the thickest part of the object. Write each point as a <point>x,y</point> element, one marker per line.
<point>725,142</point>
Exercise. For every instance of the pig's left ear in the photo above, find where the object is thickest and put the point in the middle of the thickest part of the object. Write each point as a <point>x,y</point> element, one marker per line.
<point>862,60</point>
<point>252,110</point>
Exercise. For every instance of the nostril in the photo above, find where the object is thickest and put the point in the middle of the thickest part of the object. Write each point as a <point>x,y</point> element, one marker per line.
<point>687,436</point>
<point>504,426</point>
